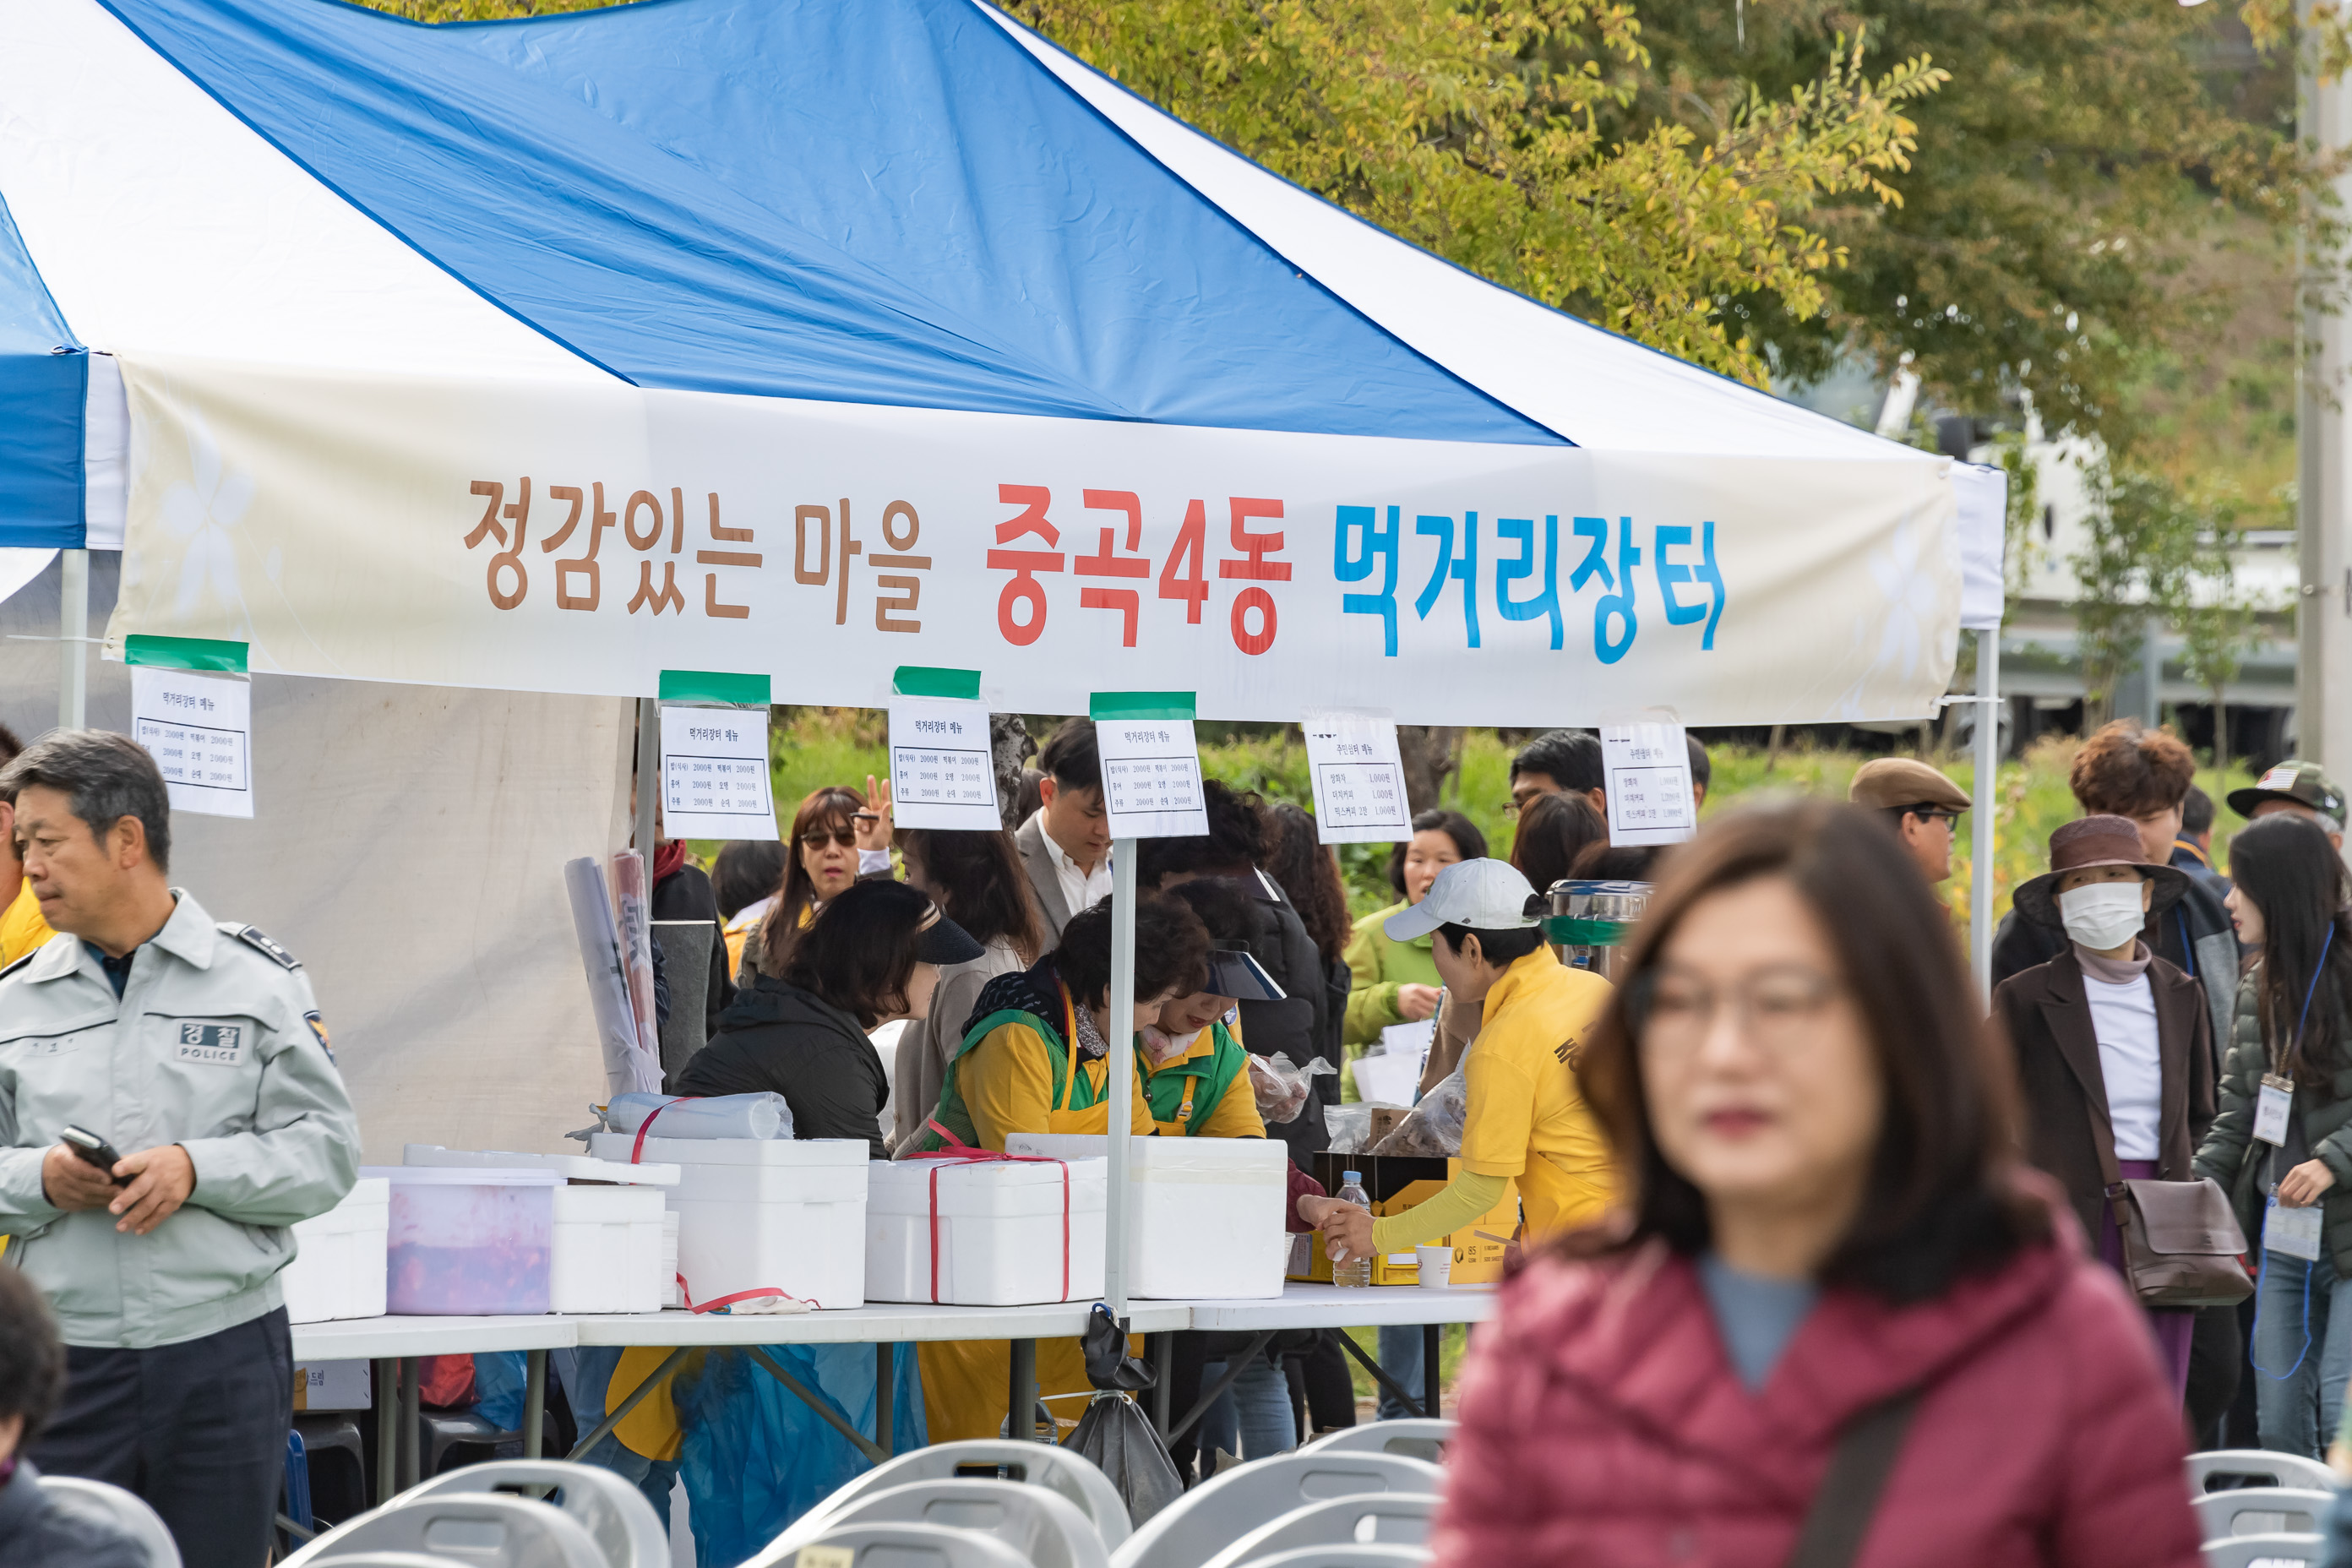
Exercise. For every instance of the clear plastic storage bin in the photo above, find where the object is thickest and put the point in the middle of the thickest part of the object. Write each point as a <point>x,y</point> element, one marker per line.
<point>467,1243</point>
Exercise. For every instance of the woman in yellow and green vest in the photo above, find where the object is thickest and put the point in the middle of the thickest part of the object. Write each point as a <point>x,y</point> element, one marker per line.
<point>1035,1058</point>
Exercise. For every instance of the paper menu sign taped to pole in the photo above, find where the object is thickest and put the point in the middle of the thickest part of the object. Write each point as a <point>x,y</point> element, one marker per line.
<point>199,730</point>
<point>714,766</point>
<point>1151,778</point>
<point>1359,778</point>
<point>943,771</point>
<point>1647,766</point>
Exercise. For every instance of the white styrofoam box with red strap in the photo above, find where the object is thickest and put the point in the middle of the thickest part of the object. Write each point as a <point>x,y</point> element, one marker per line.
<point>761,1218</point>
<point>990,1232</point>
<point>607,1251</point>
<point>340,1257</point>
<point>1207,1212</point>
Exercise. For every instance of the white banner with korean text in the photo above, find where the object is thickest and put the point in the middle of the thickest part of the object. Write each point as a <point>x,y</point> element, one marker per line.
<point>560,537</point>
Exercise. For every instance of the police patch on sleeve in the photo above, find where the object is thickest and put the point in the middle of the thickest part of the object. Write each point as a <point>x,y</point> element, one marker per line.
<point>319,1031</point>
<point>253,938</point>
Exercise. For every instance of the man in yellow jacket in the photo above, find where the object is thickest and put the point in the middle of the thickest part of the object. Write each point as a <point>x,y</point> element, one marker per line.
<point>1526,1118</point>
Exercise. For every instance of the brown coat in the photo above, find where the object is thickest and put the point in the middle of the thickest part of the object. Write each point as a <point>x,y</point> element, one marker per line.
<point>2047,1016</point>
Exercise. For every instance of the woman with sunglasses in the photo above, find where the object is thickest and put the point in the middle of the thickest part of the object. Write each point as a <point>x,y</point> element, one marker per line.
<point>836,838</point>
<point>2292,1044</point>
<point>1838,1308</point>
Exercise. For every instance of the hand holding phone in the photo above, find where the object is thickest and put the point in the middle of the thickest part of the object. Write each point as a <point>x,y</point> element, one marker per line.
<point>92,1150</point>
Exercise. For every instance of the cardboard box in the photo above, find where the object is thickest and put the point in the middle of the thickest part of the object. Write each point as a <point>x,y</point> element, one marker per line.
<point>332,1385</point>
<point>1386,1119</point>
<point>1395,1183</point>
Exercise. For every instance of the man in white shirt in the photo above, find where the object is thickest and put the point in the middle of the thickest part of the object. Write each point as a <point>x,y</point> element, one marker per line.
<point>1065,845</point>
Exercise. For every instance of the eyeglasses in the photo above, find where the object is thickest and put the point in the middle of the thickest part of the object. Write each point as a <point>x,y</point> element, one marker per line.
<point>1774,1006</point>
<point>1935,813</point>
<point>816,838</point>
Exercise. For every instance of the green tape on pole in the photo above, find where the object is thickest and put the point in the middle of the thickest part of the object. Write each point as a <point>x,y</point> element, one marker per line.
<point>1569,932</point>
<point>711,686</point>
<point>183,653</point>
<point>923,680</point>
<point>1139,705</point>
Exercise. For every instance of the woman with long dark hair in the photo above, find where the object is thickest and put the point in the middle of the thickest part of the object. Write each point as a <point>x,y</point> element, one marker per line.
<point>2291,1042</point>
<point>1553,830</point>
<point>873,954</point>
<point>1836,1304</point>
<point>836,838</point>
<point>1304,869</point>
<point>977,878</point>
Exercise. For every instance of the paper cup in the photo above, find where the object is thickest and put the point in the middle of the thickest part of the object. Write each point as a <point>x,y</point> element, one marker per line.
<point>1437,1265</point>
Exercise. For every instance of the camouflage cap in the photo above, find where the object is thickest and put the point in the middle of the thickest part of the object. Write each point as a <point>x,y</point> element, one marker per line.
<point>2302,783</point>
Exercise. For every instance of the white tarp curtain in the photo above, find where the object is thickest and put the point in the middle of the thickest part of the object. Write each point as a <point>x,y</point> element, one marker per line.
<point>408,851</point>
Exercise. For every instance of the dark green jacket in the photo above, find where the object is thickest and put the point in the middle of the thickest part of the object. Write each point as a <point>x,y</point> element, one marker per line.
<point>2231,1157</point>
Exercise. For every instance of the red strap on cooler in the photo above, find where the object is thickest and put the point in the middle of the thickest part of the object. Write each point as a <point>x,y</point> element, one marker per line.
<point>958,1152</point>
<point>646,1126</point>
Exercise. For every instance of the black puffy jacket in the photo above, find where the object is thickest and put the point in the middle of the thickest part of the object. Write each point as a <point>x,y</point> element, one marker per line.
<point>779,1038</point>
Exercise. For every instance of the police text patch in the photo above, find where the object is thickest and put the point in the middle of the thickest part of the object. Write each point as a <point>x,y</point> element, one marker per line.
<point>215,1045</point>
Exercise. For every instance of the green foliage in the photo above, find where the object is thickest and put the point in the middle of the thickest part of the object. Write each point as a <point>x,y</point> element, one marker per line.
<point>1498,136</point>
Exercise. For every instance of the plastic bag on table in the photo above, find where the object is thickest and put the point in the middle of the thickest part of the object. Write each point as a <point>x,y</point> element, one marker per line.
<point>1349,1126</point>
<point>754,1458</point>
<point>762,1115</point>
<point>1119,1439</point>
<point>1281,1090</point>
<point>1434,1128</point>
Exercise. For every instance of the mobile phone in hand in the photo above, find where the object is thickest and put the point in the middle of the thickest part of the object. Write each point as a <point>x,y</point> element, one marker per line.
<point>93,1151</point>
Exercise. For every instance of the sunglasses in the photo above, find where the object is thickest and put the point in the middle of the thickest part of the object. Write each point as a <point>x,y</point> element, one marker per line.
<point>816,838</point>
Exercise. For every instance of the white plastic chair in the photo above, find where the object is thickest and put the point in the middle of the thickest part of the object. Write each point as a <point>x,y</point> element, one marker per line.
<point>1383,1519</point>
<point>1229,1505</point>
<point>2267,1551</point>
<point>476,1529</point>
<point>2260,1511</point>
<point>1368,1555</point>
<point>614,1513</point>
<point>389,1560</point>
<point>111,1506</point>
<point>1072,1475</point>
<point>1045,1528</point>
<point>2266,1469</point>
<point>920,1546</point>
<point>1417,1437</point>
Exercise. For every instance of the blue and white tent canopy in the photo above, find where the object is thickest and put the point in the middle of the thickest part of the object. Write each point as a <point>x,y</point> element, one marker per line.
<point>406,335</point>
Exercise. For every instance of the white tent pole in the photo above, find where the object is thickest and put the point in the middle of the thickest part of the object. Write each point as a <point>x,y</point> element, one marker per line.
<point>1988,794</point>
<point>648,781</point>
<point>73,635</point>
<point>1121,1087</point>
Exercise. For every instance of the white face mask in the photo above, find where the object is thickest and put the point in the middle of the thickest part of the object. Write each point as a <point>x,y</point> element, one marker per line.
<point>2103,915</point>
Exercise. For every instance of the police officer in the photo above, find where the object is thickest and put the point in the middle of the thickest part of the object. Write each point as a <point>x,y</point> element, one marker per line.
<point>194,1049</point>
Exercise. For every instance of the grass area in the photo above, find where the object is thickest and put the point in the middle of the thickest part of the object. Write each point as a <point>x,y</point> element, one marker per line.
<point>812,747</point>
<point>1456,1346</point>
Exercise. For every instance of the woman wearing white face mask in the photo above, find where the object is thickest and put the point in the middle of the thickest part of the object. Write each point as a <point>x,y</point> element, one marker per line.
<point>2114,1049</point>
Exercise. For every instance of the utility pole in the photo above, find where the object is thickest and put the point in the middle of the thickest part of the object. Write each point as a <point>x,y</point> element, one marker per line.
<point>2324,505</point>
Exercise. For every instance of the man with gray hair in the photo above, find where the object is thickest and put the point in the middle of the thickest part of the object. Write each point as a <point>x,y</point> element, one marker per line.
<point>168,1109</point>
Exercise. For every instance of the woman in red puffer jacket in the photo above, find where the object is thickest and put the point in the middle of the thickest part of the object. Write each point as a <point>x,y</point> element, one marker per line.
<point>1834,1268</point>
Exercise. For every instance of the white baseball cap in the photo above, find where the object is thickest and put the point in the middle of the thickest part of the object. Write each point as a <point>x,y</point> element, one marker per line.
<point>1485,895</point>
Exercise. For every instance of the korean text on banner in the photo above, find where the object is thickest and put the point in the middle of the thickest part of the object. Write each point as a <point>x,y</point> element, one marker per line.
<point>1647,766</point>
<point>1358,776</point>
<point>1151,778</point>
<point>199,730</point>
<point>943,773</point>
<point>715,774</point>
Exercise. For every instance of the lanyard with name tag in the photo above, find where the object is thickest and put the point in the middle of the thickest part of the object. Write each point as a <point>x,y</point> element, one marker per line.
<point>2272,1103</point>
<point>2294,1232</point>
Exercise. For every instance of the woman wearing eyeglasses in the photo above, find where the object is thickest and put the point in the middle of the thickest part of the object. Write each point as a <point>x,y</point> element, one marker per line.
<point>836,838</point>
<point>2114,1049</point>
<point>1838,1311</point>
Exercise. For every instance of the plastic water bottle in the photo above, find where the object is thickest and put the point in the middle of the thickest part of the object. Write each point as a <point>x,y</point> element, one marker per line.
<point>1359,1272</point>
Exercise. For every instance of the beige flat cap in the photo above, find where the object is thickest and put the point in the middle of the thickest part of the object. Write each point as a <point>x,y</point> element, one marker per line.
<point>1891,783</point>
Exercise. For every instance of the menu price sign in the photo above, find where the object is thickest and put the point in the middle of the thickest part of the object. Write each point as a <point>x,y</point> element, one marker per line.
<point>199,730</point>
<point>1647,765</point>
<point>1151,778</point>
<point>1359,778</point>
<point>714,767</point>
<point>942,770</point>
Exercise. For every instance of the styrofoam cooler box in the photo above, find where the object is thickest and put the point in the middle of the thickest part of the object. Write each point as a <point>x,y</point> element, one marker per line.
<point>781,1213</point>
<point>607,1255</point>
<point>338,1257</point>
<point>1010,1233</point>
<point>1208,1221</point>
<point>670,1297</point>
<point>468,1243</point>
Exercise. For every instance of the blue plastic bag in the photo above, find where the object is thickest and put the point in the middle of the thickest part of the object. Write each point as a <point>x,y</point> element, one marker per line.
<point>500,1380</point>
<point>755,1458</point>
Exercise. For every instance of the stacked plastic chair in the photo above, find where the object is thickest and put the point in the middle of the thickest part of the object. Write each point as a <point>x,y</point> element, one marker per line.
<point>1248,1501</point>
<point>2277,1521</point>
<point>464,1520</point>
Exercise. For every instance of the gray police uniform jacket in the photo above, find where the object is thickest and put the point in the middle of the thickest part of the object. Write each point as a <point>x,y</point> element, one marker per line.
<point>215,1046</point>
